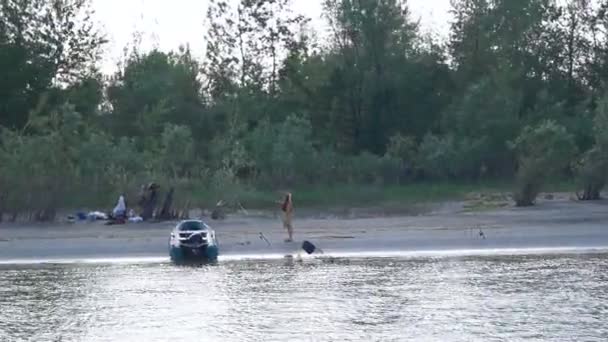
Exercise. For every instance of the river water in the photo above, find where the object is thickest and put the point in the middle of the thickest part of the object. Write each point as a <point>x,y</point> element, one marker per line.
<point>468,298</point>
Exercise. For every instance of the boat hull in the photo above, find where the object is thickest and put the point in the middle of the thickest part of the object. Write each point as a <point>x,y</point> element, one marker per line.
<point>183,254</point>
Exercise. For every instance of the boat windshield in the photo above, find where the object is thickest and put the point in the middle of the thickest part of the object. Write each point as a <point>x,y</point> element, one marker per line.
<point>192,226</point>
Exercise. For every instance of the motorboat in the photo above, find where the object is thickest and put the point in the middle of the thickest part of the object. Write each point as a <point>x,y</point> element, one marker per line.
<point>193,241</point>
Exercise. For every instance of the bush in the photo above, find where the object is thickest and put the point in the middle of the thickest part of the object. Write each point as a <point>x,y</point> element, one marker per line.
<point>177,150</point>
<point>542,152</point>
<point>330,167</point>
<point>259,146</point>
<point>38,171</point>
<point>402,150</point>
<point>481,122</point>
<point>450,157</point>
<point>65,164</point>
<point>592,171</point>
<point>391,170</point>
<point>293,152</point>
<point>401,147</point>
<point>282,154</point>
<point>363,169</point>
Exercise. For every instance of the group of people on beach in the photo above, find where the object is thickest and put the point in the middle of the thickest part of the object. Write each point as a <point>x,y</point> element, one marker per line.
<point>120,212</point>
<point>145,206</point>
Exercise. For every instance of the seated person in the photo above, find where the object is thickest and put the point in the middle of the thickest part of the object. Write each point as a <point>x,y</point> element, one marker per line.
<point>120,210</point>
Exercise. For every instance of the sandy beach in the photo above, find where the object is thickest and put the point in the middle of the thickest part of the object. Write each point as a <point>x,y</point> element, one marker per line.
<point>559,224</point>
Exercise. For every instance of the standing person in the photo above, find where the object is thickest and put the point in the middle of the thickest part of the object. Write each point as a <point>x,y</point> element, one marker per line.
<point>287,208</point>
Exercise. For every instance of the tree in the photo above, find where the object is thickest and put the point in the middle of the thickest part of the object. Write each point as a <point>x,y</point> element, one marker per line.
<point>542,152</point>
<point>487,116</point>
<point>177,150</point>
<point>597,65</point>
<point>157,88</point>
<point>470,44</point>
<point>293,153</point>
<point>40,170</point>
<point>245,46</point>
<point>221,63</point>
<point>374,42</point>
<point>593,167</point>
<point>450,157</point>
<point>403,149</point>
<point>43,44</point>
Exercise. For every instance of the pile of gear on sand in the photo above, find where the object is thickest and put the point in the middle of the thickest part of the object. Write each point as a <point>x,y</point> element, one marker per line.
<point>145,209</point>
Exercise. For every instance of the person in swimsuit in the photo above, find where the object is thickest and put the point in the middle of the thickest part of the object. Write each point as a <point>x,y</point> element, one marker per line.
<point>287,208</point>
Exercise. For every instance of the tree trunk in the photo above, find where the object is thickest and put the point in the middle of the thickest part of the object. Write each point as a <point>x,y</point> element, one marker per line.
<point>527,196</point>
<point>591,193</point>
<point>46,215</point>
<point>150,204</point>
<point>165,212</point>
<point>218,213</point>
<point>524,202</point>
<point>185,213</point>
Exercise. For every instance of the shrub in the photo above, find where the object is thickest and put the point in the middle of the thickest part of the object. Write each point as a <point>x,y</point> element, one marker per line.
<point>450,157</point>
<point>292,152</point>
<point>363,169</point>
<point>592,170</point>
<point>481,123</point>
<point>177,150</point>
<point>542,152</point>
<point>330,167</point>
<point>259,146</point>
<point>402,150</point>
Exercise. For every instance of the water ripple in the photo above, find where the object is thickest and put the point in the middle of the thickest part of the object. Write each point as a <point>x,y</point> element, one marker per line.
<point>462,298</point>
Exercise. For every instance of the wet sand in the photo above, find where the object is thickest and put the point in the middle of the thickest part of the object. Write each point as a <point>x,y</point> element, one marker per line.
<point>557,225</point>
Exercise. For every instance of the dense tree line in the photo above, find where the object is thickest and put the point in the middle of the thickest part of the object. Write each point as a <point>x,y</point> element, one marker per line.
<point>517,91</point>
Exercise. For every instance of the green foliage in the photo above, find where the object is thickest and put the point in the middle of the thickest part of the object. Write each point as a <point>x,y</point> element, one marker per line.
<point>368,168</point>
<point>292,152</point>
<point>592,169</point>
<point>177,150</point>
<point>482,121</point>
<point>260,144</point>
<point>272,105</point>
<point>592,172</point>
<point>402,148</point>
<point>330,167</point>
<point>542,152</point>
<point>39,170</point>
<point>451,157</point>
<point>153,89</point>
<point>600,127</point>
<point>42,43</point>
<point>62,162</point>
<point>401,152</point>
<point>380,80</point>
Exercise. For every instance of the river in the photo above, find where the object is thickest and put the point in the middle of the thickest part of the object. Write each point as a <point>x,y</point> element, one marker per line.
<point>451,298</point>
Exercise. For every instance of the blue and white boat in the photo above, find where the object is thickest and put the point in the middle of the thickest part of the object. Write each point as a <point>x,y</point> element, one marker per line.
<point>193,241</point>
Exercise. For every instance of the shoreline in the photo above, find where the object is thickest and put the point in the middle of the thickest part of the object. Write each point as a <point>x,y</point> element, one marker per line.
<point>402,255</point>
<point>556,225</point>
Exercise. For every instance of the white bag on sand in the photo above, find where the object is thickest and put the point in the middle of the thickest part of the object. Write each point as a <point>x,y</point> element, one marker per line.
<point>97,215</point>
